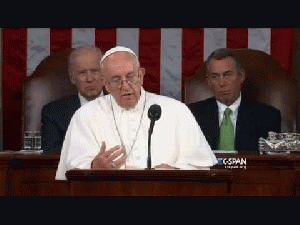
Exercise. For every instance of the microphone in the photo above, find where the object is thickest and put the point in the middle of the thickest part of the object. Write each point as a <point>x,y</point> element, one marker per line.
<point>154,114</point>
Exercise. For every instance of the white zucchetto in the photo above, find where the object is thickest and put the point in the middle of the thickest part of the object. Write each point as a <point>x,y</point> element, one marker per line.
<point>116,49</point>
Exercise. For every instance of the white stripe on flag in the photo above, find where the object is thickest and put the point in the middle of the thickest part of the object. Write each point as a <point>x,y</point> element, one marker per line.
<point>129,37</point>
<point>214,38</point>
<point>260,39</point>
<point>171,62</point>
<point>83,37</point>
<point>38,47</point>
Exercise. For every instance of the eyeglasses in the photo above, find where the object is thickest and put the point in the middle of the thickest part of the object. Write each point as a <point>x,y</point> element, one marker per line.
<point>130,79</point>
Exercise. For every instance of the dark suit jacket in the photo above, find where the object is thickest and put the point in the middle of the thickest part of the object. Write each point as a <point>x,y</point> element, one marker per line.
<point>254,120</point>
<point>56,117</point>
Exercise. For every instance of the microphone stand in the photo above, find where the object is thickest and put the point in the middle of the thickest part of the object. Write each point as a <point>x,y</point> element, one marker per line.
<point>154,114</point>
<point>149,144</point>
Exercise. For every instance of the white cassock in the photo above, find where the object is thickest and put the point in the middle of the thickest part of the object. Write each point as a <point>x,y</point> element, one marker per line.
<point>177,139</point>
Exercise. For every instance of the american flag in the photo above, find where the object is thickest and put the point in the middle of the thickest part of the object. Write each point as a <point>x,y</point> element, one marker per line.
<point>169,55</point>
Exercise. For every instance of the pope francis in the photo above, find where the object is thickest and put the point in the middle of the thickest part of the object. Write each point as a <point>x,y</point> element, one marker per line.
<point>112,131</point>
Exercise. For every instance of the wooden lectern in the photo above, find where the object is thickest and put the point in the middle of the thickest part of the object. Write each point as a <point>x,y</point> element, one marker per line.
<point>212,182</point>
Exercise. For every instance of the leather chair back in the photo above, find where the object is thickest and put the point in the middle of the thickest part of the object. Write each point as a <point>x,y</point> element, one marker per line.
<point>50,81</point>
<point>266,81</point>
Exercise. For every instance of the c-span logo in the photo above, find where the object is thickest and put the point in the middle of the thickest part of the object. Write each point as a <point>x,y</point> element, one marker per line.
<point>233,163</point>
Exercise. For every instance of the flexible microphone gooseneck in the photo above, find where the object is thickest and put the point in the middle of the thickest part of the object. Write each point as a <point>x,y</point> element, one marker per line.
<point>154,114</point>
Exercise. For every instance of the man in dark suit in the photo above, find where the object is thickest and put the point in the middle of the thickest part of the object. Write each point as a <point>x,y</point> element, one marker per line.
<point>249,120</point>
<point>84,71</point>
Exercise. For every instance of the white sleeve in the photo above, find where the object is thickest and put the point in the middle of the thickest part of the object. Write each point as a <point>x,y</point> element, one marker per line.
<point>79,148</point>
<point>193,146</point>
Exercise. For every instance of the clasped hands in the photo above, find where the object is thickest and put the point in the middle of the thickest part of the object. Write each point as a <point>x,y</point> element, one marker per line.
<point>114,158</point>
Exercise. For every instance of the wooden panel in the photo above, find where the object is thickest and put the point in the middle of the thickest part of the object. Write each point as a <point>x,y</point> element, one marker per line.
<point>3,180</point>
<point>57,188</point>
<point>147,188</point>
<point>264,175</point>
<point>35,175</point>
<point>149,182</point>
<point>263,183</point>
<point>4,165</point>
<point>213,175</point>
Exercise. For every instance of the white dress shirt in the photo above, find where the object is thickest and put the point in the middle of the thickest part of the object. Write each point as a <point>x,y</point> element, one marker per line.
<point>83,100</point>
<point>177,139</point>
<point>234,108</point>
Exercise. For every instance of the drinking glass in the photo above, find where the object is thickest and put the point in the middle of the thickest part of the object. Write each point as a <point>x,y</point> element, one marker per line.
<point>32,140</point>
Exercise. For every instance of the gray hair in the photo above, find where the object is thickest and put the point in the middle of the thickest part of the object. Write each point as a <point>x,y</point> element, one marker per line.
<point>222,53</point>
<point>77,51</point>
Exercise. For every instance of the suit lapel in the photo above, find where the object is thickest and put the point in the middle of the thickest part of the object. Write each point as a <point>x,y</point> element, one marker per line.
<point>70,107</point>
<point>76,104</point>
<point>244,126</point>
<point>214,129</point>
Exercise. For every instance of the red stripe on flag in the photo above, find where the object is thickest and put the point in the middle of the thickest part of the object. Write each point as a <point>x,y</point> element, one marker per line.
<point>60,39</point>
<point>237,38</point>
<point>192,53</point>
<point>105,38</point>
<point>149,55</point>
<point>281,46</point>
<point>13,73</point>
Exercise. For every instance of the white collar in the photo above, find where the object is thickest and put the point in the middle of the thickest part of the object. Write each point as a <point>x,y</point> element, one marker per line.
<point>83,100</point>
<point>234,106</point>
<point>139,106</point>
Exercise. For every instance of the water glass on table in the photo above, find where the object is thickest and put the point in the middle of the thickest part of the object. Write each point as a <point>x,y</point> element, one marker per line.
<point>32,141</point>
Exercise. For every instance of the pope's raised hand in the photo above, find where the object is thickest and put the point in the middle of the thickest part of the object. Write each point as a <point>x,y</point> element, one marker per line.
<point>108,159</point>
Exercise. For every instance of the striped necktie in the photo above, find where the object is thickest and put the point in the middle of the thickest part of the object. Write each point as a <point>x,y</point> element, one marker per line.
<point>226,140</point>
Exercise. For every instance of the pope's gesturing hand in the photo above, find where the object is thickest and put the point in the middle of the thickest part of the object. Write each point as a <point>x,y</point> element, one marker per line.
<point>108,159</point>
